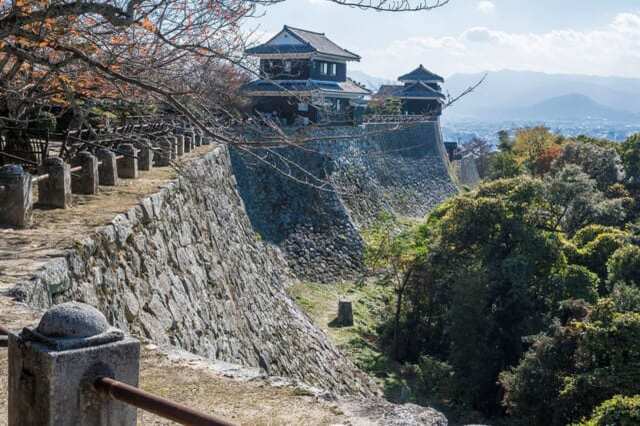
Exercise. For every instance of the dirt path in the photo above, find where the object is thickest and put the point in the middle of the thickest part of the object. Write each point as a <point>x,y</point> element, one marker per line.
<point>23,251</point>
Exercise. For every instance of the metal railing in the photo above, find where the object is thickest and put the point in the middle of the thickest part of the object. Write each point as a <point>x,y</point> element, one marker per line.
<point>155,404</point>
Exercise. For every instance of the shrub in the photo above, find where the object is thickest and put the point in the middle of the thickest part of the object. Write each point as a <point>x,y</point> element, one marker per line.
<point>624,266</point>
<point>619,411</point>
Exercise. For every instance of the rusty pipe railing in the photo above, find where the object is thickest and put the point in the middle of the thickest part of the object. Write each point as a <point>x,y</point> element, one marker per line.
<point>156,405</point>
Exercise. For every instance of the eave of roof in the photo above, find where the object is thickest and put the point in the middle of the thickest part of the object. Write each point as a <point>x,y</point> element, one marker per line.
<point>331,87</point>
<point>414,90</point>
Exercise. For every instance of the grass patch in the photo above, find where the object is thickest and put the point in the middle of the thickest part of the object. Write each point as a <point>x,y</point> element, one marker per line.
<point>360,341</point>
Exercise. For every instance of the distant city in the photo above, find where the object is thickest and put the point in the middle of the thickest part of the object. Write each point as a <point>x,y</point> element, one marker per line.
<point>463,131</point>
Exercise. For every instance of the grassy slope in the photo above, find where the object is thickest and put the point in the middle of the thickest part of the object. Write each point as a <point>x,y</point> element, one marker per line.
<point>359,342</point>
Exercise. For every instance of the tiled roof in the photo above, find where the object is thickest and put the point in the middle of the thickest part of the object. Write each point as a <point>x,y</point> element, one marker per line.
<point>414,90</point>
<point>307,85</point>
<point>312,42</point>
<point>421,74</point>
<point>282,48</point>
<point>388,89</point>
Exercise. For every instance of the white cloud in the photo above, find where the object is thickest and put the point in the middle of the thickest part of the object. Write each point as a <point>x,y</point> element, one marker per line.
<point>486,7</point>
<point>612,50</point>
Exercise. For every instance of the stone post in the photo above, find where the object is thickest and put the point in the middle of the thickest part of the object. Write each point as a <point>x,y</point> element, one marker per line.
<point>108,168</point>
<point>345,313</point>
<point>56,190</point>
<point>164,157</point>
<point>179,144</point>
<point>128,165</point>
<point>85,181</point>
<point>16,198</point>
<point>174,146</point>
<point>145,157</point>
<point>197,138</point>
<point>188,143</point>
<point>53,367</point>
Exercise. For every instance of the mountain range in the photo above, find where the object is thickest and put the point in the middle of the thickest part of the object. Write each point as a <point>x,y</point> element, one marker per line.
<point>526,95</point>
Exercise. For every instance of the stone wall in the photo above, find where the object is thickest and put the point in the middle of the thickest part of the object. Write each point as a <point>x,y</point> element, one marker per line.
<point>185,268</point>
<point>341,181</point>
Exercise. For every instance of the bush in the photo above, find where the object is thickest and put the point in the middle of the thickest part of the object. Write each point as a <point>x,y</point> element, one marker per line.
<point>624,266</point>
<point>619,411</point>
<point>435,378</point>
<point>577,282</point>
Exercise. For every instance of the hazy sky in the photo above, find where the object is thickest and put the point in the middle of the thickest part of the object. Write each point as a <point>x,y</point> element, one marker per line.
<point>599,37</point>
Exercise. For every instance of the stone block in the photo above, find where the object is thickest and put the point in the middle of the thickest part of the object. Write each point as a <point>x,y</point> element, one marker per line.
<point>108,167</point>
<point>85,181</point>
<point>128,165</point>
<point>53,368</point>
<point>16,197</point>
<point>345,313</point>
<point>145,157</point>
<point>164,156</point>
<point>55,191</point>
<point>179,145</point>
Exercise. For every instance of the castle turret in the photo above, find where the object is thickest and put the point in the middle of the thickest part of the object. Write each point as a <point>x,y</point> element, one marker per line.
<point>420,94</point>
<point>303,73</point>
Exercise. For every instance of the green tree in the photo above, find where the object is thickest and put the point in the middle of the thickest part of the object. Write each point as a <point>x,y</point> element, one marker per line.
<point>579,365</point>
<point>601,163</point>
<point>624,266</point>
<point>631,160</point>
<point>619,411</point>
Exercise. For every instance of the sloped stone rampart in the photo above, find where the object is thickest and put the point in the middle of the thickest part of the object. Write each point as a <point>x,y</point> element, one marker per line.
<point>185,268</point>
<point>341,181</point>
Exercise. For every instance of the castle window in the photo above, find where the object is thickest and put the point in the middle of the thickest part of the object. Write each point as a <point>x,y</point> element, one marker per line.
<point>287,66</point>
<point>324,68</point>
<point>332,69</point>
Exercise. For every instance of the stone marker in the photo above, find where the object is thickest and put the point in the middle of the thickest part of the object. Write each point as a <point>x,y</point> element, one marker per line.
<point>179,145</point>
<point>128,165</point>
<point>345,313</point>
<point>108,168</point>
<point>163,158</point>
<point>174,146</point>
<point>85,181</point>
<point>56,190</point>
<point>16,197</point>
<point>52,370</point>
<point>188,143</point>
<point>145,157</point>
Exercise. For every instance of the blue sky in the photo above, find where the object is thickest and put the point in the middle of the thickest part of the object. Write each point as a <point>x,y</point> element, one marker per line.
<point>596,37</point>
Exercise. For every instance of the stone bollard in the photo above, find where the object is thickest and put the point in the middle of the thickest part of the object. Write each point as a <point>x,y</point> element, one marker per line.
<point>179,145</point>
<point>188,143</point>
<point>56,190</point>
<point>145,157</point>
<point>16,198</point>
<point>53,367</point>
<point>174,146</point>
<point>128,165</point>
<point>164,156</point>
<point>108,168</point>
<point>345,313</point>
<point>85,181</point>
